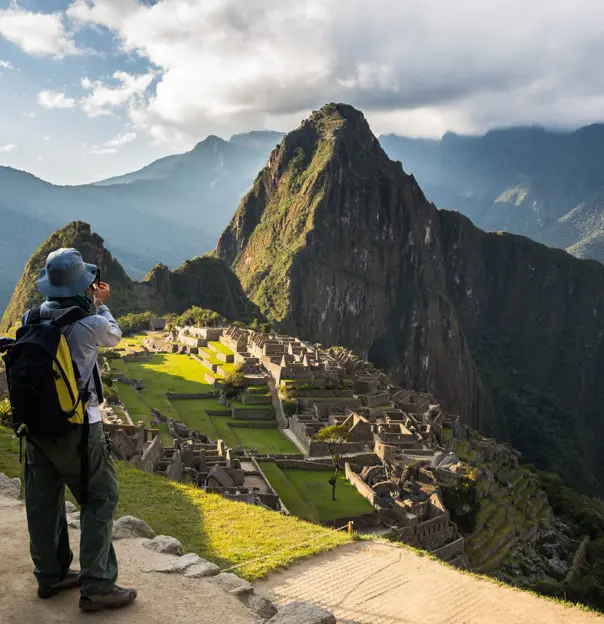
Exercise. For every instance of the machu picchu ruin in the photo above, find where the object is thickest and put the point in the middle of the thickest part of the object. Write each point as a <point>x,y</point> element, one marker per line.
<point>246,424</point>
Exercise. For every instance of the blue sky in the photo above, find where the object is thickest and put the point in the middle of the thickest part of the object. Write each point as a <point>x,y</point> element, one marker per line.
<point>95,88</point>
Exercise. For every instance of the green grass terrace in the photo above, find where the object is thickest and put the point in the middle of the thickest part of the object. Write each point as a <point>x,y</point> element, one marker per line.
<point>181,374</point>
<point>307,493</point>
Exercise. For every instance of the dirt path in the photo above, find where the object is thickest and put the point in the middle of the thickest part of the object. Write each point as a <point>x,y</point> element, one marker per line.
<point>162,597</point>
<point>370,583</point>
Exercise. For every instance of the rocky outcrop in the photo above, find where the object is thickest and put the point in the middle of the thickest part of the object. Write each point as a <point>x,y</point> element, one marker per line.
<point>338,245</point>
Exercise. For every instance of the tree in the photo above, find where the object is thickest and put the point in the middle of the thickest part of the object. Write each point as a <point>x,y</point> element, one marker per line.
<point>335,437</point>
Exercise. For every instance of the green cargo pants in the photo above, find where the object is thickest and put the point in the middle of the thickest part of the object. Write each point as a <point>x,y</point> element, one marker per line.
<point>49,467</point>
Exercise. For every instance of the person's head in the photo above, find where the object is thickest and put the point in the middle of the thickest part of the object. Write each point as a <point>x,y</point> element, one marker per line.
<point>65,275</point>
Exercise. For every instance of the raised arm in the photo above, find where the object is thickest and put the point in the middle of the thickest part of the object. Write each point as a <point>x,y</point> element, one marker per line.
<point>108,333</point>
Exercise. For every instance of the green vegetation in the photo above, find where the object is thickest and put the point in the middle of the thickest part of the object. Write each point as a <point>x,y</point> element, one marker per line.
<point>307,493</point>
<point>218,346</point>
<point>181,374</point>
<point>9,453</point>
<point>201,317</point>
<point>132,323</point>
<point>5,412</point>
<point>222,531</point>
<point>335,437</point>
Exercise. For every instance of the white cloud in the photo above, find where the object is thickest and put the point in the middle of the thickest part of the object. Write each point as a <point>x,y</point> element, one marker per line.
<point>43,34</point>
<point>129,90</point>
<point>55,99</point>
<point>121,139</point>
<point>4,149</point>
<point>112,146</point>
<point>425,66</point>
<point>6,65</point>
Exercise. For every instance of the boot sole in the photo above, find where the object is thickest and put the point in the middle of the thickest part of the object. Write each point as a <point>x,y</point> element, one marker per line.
<point>99,606</point>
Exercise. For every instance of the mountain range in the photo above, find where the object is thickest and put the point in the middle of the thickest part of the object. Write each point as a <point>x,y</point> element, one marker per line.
<point>543,184</point>
<point>337,243</point>
<point>172,210</point>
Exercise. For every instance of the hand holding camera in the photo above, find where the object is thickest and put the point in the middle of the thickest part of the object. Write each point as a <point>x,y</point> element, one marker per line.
<point>101,292</point>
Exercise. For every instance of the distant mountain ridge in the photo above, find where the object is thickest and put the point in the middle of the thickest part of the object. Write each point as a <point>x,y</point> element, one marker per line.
<point>547,185</point>
<point>204,282</point>
<point>169,211</point>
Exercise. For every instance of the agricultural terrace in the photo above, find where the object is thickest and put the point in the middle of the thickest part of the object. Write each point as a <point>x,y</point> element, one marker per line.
<point>182,374</point>
<point>307,493</point>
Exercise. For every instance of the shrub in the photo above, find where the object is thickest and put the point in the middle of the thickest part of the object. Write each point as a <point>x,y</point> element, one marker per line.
<point>133,323</point>
<point>201,317</point>
<point>259,326</point>
<point>5,412</point>
<point>111,394</point>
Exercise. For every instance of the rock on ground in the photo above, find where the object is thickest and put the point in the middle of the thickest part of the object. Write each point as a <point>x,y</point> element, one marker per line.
<point>129,526</point>
<point>202,569</point>
<point>162,598</point>
<point>233,584</point>
<point>11,488</point>
<point>70,507</point>
<point>302,613</point>
<point>178,564</point>
<point>261,606</point>
<point>165,544</point>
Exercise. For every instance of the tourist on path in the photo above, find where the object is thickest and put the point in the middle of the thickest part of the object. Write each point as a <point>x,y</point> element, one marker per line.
<point>51,464</point>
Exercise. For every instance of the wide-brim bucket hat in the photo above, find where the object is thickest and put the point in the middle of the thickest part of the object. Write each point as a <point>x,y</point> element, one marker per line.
<point>66,274</point>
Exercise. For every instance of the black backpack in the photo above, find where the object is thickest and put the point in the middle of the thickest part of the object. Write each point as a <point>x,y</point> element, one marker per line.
<point>42,378</point>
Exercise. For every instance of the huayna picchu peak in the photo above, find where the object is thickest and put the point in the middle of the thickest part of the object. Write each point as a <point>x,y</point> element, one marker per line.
<point>337,244</point>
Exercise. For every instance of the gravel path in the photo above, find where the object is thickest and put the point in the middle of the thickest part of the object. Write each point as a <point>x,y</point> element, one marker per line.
<point>371,583</point>
<point>162,598</point>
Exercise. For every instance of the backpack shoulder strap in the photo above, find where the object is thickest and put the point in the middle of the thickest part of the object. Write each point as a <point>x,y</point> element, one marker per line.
<point>34,316</point>
<point>69,317</point>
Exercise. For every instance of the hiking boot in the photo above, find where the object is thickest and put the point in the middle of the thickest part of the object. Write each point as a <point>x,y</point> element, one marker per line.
<point>69,582</point>
<point>116,598</point>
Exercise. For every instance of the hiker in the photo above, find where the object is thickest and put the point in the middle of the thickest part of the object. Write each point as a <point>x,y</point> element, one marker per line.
<point>73,290</point>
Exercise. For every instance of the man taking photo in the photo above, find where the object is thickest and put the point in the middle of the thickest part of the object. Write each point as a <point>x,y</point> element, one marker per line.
<point>76,454</point>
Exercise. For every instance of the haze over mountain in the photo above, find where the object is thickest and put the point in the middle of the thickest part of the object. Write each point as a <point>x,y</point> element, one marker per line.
<point>337,244</point>
<point>172,210</point>
<point>544,184</point>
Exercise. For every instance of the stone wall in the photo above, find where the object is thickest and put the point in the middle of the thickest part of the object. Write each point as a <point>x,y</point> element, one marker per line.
<point>253,414</point>
<point>243,424</point>
<point>363,489</point>
<point>321,449</point>
<point>174,471</point>
<point>171,396</point>
<point>303,464</point>
<point>148,461</point>
<point>450,551</point>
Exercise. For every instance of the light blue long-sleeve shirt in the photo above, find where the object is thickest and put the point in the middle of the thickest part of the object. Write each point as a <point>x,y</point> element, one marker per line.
<point>84,338</point>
